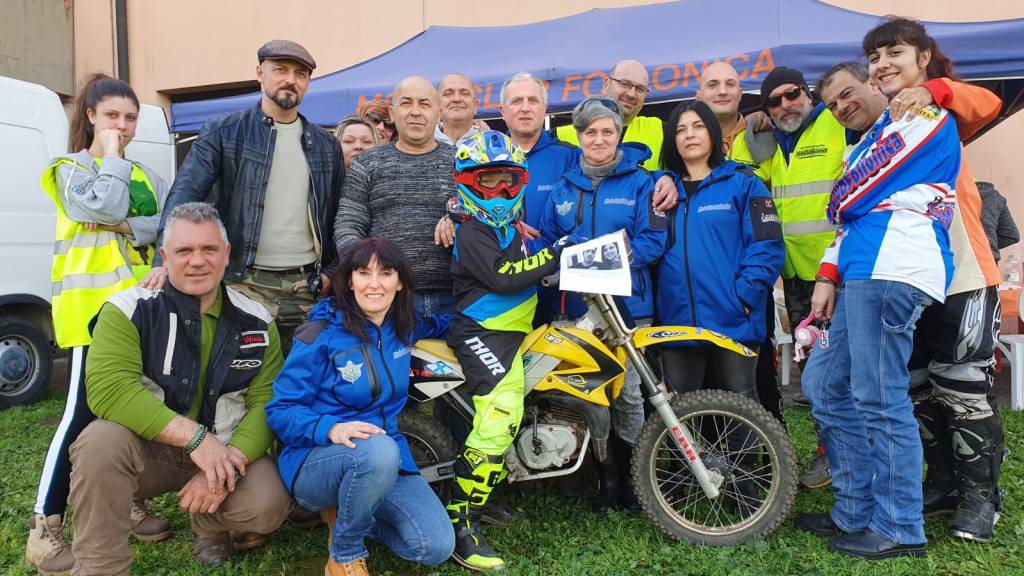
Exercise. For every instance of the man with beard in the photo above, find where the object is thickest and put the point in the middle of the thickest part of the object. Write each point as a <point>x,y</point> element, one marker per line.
<point>278,180</point>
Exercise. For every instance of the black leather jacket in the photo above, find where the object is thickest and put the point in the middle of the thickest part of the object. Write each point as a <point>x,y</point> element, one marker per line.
<point>234,152</point>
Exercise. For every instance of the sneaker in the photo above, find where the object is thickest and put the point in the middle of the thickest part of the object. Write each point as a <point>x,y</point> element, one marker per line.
<point>353,568</point>
<point>473,552</point>
<point>147,526</point>
<point>46,548</point>
<point>818,474</point>
<point>974,520</point>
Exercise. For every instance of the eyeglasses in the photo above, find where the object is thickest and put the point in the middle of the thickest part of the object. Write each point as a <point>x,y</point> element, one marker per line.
<point>606,102</point>
<point>791,95</point>
<point>627,86</point>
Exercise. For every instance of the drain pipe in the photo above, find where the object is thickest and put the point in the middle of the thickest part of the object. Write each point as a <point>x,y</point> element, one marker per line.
<point>121,33</point>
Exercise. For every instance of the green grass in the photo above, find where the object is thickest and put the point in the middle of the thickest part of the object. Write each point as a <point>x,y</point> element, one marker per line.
<point>559,537</point>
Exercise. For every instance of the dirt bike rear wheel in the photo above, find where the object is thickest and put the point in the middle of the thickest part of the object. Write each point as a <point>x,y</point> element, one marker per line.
<point>734,436</point>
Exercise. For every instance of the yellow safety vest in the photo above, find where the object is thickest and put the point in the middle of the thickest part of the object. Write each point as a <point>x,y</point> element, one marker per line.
<point>647,130</point>
<point>88,266</point>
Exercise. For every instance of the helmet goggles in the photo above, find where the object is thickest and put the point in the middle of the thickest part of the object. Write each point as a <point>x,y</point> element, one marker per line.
<point>494,182</point>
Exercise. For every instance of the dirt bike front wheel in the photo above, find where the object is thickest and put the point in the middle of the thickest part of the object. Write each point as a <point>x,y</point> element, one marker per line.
<point>733,436</point>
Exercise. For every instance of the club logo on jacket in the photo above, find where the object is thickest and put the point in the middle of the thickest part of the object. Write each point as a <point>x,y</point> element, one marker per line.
<point>563,208</point>
<point>246,364</point>
<point>350,372</point>
<point>254,339</point>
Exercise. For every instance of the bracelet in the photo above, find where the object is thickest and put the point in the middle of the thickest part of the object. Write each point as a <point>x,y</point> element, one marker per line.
<point>824,280</point>
<point>197,439</point>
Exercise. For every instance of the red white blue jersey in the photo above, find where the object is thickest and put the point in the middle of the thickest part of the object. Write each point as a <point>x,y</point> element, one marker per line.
<point>895,202</point>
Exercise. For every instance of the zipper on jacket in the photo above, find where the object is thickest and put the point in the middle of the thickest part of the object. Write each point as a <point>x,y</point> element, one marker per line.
<point>250,256</point>
<point>391,380</point>
<point>686,261</point>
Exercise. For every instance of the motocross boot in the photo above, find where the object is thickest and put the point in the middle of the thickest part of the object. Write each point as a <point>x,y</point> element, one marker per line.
<point>476,475</point>
<point>940,485</point>
<point>978,453</point>
<point>609,478</point>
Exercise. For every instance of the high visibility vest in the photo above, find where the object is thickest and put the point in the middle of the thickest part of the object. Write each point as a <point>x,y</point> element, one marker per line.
<point>647,130</point>
<point>88,266</point>
<point>801,190</point>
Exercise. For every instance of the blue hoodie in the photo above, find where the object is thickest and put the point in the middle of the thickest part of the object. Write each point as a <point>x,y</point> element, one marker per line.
<point>724,252</point>
<point>331,376</point>
<point>622,201</point>
<point>547,161</point>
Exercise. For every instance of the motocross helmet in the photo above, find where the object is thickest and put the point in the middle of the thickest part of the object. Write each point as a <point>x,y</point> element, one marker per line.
<point>490,172</point>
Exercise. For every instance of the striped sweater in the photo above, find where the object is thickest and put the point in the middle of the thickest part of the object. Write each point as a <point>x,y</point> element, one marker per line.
<point>398,196</point>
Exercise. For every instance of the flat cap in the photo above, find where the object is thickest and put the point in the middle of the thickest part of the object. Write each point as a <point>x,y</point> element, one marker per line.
<point>286,50</point>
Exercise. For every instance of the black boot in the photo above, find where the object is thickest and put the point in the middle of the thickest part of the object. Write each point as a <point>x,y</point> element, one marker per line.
<point>940,484</point>
<point>609,481</point>
<point>978,452</point>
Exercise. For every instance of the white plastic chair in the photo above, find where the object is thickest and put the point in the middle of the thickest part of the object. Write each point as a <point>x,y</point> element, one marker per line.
<point>1012,347</point>
<point>783,339</point>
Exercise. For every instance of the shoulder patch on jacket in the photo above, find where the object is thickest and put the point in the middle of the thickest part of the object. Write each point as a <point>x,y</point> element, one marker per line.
<point>764,219</point>
<point>308,332</point>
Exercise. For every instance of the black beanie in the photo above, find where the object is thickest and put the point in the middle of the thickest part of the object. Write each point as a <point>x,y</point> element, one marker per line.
<point>779,76</point>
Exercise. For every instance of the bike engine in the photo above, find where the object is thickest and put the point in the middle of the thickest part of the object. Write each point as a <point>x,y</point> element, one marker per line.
<point>550,439</point>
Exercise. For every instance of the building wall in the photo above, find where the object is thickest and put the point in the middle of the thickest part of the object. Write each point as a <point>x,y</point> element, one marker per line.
<point>37,44</point>
<point>197,44</point>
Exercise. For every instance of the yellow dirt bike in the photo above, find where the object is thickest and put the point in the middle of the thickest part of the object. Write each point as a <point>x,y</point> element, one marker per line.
<point>710,467</point>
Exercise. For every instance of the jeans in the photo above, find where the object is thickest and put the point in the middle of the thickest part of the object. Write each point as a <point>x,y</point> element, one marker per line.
<point>375,500</point>
<point>433,302</point>
<point>858,389</point>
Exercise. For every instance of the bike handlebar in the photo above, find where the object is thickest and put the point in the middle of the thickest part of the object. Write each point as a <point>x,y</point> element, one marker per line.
<point>550,281</point>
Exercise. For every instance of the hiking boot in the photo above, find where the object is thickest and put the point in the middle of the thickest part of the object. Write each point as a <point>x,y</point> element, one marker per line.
<point>303,519</point>
<point>46,548</point>
<point>213,552</point>
<point>147,526</point>
<point>974,520</point>
<point>818,474</point>
<point>353,568</point>
<point>249,541</point>
<point>472,550</point>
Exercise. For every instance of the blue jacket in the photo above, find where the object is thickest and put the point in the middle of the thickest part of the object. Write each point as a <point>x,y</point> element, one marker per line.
<point>724,252</point>
<point>547,161</point>
<point>234,152</point>
<point>622,201</point>
<point>331,376</point>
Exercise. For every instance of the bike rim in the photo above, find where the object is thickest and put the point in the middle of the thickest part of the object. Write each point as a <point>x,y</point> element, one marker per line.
<point>752,462</point>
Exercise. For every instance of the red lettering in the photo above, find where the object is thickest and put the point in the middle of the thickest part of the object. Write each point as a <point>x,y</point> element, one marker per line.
<point>656,77</point>
<point>595,74</point>
<point>569,86</point>
<point>488,105</point>
<point>764,63</point>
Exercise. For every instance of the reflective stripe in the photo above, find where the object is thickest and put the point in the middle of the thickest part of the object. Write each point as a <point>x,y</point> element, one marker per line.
<point>84,241</point>
<point>811,227</point>
<point>805,189</point>
<point>172,336</point>
<point>88,281</point>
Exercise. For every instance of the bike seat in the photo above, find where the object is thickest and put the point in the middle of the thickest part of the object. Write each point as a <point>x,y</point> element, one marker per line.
<point>438,348</point>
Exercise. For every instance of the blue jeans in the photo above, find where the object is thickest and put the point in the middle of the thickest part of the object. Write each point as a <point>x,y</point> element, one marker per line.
<point>434,302</point>
<point>858,393</point>
<point>374,500</point>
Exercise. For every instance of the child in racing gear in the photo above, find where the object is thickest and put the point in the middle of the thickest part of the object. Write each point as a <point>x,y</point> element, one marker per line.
<point>494,283</point>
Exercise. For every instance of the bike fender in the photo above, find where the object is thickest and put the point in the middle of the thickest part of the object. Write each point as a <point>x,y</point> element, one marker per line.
<point>643,337</point>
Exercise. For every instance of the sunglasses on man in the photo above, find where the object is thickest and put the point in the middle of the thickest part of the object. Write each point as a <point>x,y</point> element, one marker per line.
<point>790,95</point>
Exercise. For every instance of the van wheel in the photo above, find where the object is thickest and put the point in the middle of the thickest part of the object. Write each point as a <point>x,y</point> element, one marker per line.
<point>25,362</point>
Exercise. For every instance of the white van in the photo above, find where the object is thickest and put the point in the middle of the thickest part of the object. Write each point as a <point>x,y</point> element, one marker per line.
<point>33,130</point>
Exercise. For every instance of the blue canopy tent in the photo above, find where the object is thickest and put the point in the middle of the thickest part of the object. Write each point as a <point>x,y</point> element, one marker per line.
<point>674,40</point>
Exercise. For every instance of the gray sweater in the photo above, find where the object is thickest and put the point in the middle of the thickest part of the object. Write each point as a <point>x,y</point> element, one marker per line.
<point>398,196</point>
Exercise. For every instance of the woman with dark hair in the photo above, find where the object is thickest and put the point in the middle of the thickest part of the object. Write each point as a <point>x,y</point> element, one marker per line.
<point>378,115</point>
<point>963,447</point>
<point>336,405</point>
<point>724,253</point>
<point>890,260</point>
<point>108,210</point>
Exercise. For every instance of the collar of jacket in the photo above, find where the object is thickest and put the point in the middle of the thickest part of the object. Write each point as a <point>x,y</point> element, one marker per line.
<point>723,171</point>
<point>268,122</point>
<point>633,155</point>
<point>187,305</point>
<point>788,142</point>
